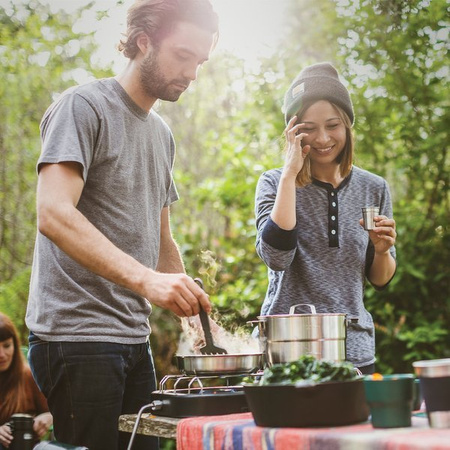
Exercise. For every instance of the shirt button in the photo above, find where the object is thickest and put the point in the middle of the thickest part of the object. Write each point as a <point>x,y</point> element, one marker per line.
<point>333,231</point>
<point>333,217</point>
<point>332,194</point>
<point>334,203</point>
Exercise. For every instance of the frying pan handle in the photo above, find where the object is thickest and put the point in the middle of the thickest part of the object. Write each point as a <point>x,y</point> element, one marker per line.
<point>199,282</point>
<point>204,319</point>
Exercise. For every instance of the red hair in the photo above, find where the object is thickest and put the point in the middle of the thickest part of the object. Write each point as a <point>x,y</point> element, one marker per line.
<point>12,386</point>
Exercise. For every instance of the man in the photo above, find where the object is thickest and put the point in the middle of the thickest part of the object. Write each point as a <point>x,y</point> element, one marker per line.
<point>104,250</point>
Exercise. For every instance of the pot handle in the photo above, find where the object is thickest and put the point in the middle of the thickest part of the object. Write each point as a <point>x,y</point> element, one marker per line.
<point>253,322</point>
<point>312,307</point>
<point>349,320</point>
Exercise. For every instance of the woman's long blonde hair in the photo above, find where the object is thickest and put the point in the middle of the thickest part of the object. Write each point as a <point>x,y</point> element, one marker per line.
<point>345,159</point>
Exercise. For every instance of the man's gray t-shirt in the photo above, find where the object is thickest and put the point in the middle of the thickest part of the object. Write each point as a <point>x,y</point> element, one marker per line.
<point>127,158</point>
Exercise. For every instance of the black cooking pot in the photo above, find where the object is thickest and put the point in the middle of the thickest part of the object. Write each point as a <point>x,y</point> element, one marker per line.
<point>334,403</point>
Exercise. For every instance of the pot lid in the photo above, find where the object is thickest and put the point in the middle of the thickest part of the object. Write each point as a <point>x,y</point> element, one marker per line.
<point>286,316</point>
<point>293,314</point>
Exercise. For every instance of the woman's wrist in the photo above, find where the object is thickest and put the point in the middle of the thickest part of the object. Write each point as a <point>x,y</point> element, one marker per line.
<point>288,176</point>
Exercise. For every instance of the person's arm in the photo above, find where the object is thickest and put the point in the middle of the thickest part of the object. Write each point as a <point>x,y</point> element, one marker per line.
<point>170,260</point>
<point>383,238</point>
<point>284,209</point>
<point>59,190</point>
<point>275,205</point>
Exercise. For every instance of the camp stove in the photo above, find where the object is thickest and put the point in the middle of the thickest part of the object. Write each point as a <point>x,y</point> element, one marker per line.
<point>181,396</point>
<point>191,395</point>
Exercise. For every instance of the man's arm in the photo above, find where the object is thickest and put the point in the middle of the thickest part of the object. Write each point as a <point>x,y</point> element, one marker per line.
<point>170,260</point>
<point>59,190</point>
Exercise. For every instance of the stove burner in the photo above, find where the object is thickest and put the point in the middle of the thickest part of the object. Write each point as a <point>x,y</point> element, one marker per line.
<point>185,384</point>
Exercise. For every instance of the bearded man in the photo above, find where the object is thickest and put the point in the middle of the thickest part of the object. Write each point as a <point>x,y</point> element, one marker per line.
<point>104,250</point>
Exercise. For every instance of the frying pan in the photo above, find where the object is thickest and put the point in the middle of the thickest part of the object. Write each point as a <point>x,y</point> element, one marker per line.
<point>241,363</point>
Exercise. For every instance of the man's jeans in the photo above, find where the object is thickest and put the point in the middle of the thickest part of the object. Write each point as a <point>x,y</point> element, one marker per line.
<point>88,385</point>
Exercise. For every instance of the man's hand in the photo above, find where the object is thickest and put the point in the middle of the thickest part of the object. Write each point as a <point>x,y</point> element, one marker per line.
<point>176,292</point>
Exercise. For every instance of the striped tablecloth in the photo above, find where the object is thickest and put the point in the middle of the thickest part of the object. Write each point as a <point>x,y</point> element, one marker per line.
<point>239,432</point>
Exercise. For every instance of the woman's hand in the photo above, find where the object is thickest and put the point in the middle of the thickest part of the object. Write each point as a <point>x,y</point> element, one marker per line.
<point>383,235</point>
<point>42,423</point>
<point>295,153</point>
<point>5,435</point>
<point>383,238</point>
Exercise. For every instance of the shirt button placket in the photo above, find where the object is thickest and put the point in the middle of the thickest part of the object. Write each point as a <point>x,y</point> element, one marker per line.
<point>333,237</point>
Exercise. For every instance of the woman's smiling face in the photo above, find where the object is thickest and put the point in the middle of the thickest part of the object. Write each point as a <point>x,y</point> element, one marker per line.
<point>6,354</point>
<point>326,132</point>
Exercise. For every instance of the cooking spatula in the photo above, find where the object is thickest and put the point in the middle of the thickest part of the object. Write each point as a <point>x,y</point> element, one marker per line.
<point>209,348</point>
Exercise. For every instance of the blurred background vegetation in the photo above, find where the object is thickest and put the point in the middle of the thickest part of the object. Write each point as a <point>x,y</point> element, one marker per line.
<point>228,128</point>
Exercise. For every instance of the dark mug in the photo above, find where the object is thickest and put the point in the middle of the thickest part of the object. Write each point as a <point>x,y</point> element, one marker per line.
<point>22,430</point>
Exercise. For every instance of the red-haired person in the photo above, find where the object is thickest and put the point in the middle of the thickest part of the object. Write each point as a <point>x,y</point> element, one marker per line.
<point>18,391</point>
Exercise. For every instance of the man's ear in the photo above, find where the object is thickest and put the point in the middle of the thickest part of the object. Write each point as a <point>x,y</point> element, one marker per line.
<point>143,43</point>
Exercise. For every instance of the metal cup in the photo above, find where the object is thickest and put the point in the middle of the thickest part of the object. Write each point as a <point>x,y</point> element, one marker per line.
<point>369,212</point>
<point>434,375</point>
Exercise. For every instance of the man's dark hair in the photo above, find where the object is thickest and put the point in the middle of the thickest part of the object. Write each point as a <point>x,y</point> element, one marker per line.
<point>156,18</point>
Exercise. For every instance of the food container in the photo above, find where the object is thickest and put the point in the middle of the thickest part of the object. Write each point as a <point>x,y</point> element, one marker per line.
<point>244,363</point>
<point>333,403</point>
<point>22,430</point>
<point>434,378</point>
<point>286,337</point>
<point>390,399</point>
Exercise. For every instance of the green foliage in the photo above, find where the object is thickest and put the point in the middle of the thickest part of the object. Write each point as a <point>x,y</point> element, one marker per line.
<point>403,122</point>
<point>13,301</point>
<point>40,56</point>
<point>228,128</point>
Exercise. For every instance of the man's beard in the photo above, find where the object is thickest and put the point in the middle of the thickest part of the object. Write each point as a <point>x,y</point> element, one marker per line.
<point>154,83</point>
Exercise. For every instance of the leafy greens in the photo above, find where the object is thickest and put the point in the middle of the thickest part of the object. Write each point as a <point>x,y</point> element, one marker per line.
<point>308,368</point>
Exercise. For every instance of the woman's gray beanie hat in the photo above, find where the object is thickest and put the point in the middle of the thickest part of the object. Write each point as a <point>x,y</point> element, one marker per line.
<point>317,82</point>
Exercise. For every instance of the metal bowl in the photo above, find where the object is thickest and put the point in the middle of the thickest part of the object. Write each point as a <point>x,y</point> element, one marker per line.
<point>241,363</point>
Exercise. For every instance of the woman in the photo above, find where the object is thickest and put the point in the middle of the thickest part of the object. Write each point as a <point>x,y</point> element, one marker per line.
<point>308,214</point>
<point>18,391</point>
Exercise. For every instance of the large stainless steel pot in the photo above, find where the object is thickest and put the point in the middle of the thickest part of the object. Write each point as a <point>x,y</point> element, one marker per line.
<point>286,337</point>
